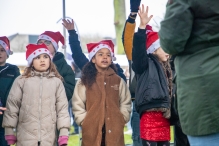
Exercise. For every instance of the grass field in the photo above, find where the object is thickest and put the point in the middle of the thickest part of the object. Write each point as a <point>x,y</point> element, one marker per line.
<point>74,139</point>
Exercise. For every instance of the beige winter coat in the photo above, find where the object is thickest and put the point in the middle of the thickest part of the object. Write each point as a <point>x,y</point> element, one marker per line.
<point>107,102</point>
<point>36,107</point>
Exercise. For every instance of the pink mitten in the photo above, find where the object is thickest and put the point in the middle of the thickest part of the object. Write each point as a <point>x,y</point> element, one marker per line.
<point>11,139</point>
<point>63,140</point>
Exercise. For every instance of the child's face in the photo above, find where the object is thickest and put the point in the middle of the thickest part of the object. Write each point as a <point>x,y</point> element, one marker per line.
<point>102,59</point>
<point>3,56</point>
<point>41,63</point>
<point>48,44</point>
<point>162,56</point>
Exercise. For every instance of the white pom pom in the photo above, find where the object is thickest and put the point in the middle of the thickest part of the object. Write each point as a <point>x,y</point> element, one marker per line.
<point>64,47</point>
<point>11,52</point>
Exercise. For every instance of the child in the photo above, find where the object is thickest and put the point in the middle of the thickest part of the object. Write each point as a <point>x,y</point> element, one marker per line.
<point>77,54</point>
<point>37,103</point>
<point>8,73</point>
<point>101,101</point>
<point>51,39</point>
<point>154,86</point>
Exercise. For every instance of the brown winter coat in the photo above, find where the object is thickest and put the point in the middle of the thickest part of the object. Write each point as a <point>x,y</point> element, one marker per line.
<point>37,106</point>
<point>107,101</point>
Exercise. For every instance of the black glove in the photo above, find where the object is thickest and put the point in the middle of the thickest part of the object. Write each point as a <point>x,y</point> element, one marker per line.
<point>134,5</point>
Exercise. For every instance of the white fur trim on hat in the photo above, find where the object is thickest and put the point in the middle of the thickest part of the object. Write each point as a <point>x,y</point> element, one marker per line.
<point>48,38</point>
<point>97,48</point>
<point>36,53</point>
<point>154,46</point>
<point>6,47</point>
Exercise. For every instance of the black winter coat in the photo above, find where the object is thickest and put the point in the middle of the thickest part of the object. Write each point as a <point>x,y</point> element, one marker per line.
<point>8,74</point>
<point>66,72</point>
<point>152,86</point>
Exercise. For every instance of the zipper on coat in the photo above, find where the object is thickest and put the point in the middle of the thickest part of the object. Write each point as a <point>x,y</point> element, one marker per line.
<point>40,107</point>
<point>4,69</point>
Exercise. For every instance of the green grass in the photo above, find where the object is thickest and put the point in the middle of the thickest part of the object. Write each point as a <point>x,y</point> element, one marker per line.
<point>74,139</point>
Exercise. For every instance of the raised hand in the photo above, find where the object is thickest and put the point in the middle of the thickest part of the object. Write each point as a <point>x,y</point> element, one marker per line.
<point>68,24</point>
<point>143,14</point>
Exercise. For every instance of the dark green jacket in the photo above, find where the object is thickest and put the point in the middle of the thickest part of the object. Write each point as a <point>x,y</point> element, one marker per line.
<point>190,31</point>
<point>8,73</point>
<point>66,72</point>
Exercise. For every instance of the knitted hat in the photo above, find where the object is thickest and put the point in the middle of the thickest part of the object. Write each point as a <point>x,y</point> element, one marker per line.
<point>33,50</point>
<point>94,47</point>
<point>4,42</point>
<point>54,37</point>
<point>153,41</point>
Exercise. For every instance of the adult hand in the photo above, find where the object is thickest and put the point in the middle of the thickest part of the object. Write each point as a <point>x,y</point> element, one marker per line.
<point>134,5</point>
<point>143,14</point>
<point>1,110</point>
<point>68,24</point>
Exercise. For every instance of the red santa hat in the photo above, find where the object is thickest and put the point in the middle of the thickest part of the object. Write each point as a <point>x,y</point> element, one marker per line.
<point>4,42</point>
<point>54,37</point>
<point>94,47</point>
<point>153,41</point>
<point>33,50</point>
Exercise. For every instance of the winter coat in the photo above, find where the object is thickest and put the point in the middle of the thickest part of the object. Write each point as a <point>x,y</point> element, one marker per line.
<point>79,58</point>
<point>35,111</point>
<point>190,31</point>
<point>127,40</point>
<point>66,72</point>
<point>107,102</point>
<point>8,74</point>
<point>152,86</point>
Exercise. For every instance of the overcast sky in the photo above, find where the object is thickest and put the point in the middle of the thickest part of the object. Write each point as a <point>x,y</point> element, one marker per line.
<point>91,16</point>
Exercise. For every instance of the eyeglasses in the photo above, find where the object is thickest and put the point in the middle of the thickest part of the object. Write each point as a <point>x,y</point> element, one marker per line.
<point>47,43</point>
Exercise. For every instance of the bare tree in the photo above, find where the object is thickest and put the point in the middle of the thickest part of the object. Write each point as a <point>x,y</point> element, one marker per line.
<point>119,21</point>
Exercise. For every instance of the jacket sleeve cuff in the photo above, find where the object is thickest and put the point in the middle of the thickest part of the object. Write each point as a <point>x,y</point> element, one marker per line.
<point>71,32</point>
<point>131,18</point>
<point>141,30</point>
<point>11,139</point>
<point>9,131</point>
<point>63,140</point>
<point>63,132</point>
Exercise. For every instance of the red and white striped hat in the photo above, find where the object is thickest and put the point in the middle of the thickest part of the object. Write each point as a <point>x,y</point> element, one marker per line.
<point>33,50</point>
<point>94,47</point>
<point>153,41</point>
<point>4,42</point>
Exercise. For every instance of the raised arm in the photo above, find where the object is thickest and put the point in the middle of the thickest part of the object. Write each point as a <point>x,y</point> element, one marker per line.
<point>139,53</point>
<point>79,58</point>
<point>129,28</point>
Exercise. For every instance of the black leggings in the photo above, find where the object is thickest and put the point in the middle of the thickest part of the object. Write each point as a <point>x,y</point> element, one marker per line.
<point>154,143</point>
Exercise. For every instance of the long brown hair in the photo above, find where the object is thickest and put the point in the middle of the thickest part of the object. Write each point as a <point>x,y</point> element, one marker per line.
<point>89,73</point>
<point>168,72</point>
<point>52,68</point>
